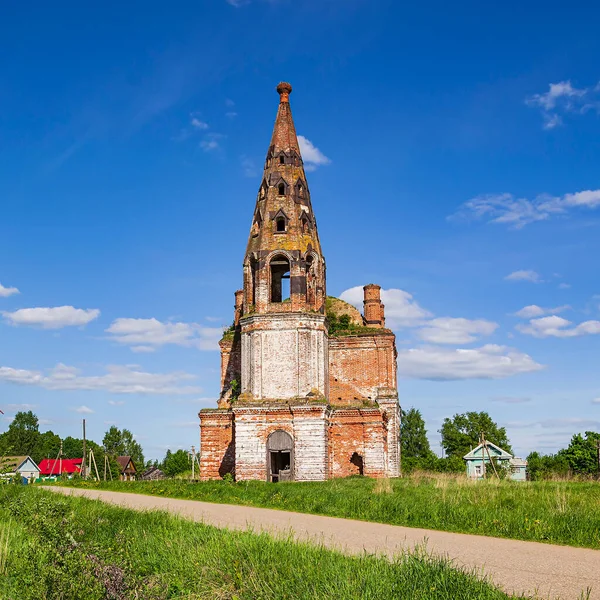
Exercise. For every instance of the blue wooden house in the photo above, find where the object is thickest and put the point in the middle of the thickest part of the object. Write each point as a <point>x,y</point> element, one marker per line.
<point>478,462</point>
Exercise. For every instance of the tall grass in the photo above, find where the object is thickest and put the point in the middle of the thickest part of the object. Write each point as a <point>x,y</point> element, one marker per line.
<point>557,512</point>
<point>78,548</point>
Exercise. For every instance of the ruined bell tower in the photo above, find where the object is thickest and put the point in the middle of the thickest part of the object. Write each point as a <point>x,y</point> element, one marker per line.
<point>283,330</point>
<point>308,384</point>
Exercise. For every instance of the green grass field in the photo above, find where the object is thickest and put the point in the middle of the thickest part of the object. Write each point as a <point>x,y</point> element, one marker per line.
<point>55,547</point>
<point>555,512</point>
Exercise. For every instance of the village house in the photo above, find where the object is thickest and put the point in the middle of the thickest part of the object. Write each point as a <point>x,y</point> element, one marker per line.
<point>58,467</point>
<point>301,399</point>
<point>25,466</point>
<point>127,468</point>
<point>153,474</point>
<point>478,462</point>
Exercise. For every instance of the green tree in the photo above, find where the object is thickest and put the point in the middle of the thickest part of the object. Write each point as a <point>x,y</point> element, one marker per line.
<point>413,436</point>
<point>48,447</point>
<point>544,466</point>
<point>462,433</point>
<point>23,436</point>
<point>582,453</point>
<point>122,443</point>
<point>175,463</point>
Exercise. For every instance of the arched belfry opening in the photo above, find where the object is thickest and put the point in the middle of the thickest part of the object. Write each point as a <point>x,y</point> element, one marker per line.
<point>280,278</point>
<point>280,456</point>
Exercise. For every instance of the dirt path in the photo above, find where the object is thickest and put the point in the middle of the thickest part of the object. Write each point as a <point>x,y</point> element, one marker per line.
<point>516,566</point>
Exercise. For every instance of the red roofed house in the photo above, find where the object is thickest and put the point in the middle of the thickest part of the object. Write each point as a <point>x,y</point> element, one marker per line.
<point>61,466</point>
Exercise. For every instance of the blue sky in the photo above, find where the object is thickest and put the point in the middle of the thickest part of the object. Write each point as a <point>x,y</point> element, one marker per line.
<point>454,160</point>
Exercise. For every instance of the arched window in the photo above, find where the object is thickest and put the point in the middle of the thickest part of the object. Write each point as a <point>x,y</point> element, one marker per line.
<point>280,224</point>
<point>281,188</point>
<point>280,278</point>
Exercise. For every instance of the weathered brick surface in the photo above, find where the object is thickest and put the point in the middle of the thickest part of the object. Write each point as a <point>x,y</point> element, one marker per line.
<point>284,355</point>
<point>359,365</point>
<point>216,444</point>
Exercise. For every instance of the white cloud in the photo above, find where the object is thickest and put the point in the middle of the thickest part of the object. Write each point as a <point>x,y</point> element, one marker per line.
<point>563,98</point>
<point>487,362</point>
<point>564,286</point>
<point>83,410</point>
<point>401,310</point>
<point>118,379</point>
<point>211,142</point>
<point>517,212</point>
<point>249,167</point>
<point>231,114</point>
<point>52,318</point>
<point>311,155</point>
<point>19,407</point>
<point>596,401</point>
<point>511,399</point>
<point>237,3</point>
<point>558,327</point>
<point>533,310</point>
<point>116,402</point>
<point>447,330</point>
<point>5,292</point>
<point>574,422</point>
<point>145,335</point>
<point>198,124</point>
<point>531,276</point>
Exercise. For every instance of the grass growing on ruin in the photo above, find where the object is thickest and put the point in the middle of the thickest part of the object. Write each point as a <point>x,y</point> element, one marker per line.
<point>556,512</point>
<point>72,548</point>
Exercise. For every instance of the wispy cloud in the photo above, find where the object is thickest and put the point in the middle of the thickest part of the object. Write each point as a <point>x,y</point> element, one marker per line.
<point>52,318</point>
<point>558,327</point>
<point>83,410</point>
<point>506,209</point>
<point>511,399</point>
<point>531,276</point>
<point>211,142</point>
<point>118,379</point>
<point>249,167</point>
<point>533,310</point>
<point>445,364</point>
<point>311,155</point>
<point>198,124</point>
<point>563,98</point>
<point>447,330</point>
<point>5,292</point>
<point>146,335</point>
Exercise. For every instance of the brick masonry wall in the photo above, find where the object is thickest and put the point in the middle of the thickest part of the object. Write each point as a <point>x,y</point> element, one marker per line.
<point>359,365</point>
<point>284,355</point>
<point>217,455</point>
<point>360,431</point>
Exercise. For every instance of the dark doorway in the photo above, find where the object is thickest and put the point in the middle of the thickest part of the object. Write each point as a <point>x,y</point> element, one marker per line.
<point>357,460</point>
<point>281,465</point>
<point>280,456</point>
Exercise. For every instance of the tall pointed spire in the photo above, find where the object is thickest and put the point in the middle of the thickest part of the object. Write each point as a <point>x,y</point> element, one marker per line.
<point>284,242</point>
<point>284,133</point>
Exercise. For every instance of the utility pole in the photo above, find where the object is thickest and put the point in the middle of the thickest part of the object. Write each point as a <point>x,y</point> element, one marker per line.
<point>83,465</point>
<point>598,447</point>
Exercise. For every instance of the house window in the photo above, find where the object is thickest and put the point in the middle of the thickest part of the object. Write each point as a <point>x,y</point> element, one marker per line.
<point>280,279</point>
<point>280,224</point>
<point>282,159</point>
<point>477,469</point>
<point>281,189</point>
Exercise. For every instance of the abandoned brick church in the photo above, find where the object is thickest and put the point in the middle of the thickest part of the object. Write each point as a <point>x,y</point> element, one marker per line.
<point>308,384</point>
